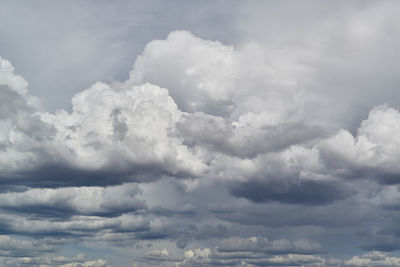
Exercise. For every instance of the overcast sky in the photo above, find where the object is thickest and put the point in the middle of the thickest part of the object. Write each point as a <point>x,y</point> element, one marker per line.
<point>199,133</point>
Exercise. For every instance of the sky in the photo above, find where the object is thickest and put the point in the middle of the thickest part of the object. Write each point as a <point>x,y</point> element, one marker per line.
<point>199,133</point>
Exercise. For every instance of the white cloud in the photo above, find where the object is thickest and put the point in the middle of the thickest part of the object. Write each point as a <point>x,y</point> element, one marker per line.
<point>253,86</point>
<point>373,259</point>
<point>123,128</point>
<point>374,151</point>
<point>7,77</point>
<point>199,73</point>
<point>128,131</point>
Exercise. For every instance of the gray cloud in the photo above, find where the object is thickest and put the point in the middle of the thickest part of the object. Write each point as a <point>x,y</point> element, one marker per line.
<point>373,259</point>
<point>245,142</point>
<point>78,261</point>
<point>256,252</point>
<point>67,202</point>
<point>308,192</point>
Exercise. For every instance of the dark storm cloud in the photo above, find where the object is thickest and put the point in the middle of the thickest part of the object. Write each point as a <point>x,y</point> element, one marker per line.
<point>306,192</point>
<point>54,175</point>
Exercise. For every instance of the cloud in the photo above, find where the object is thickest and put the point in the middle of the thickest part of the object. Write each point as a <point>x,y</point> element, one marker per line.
<point>78,261</point>
<point>156,257</point>
<point>120,134</point>
<point>373,259</point>
<point>67,202</point>
<point>335,215</point>
<point>18,247</point>
<point>249,133</point>
<point>372,153</point>
<point>245,83</point>
<point>135,132</point>
<point>308,192</point>
<point>242,252</point>
<point>256,252</point>
<point>78,226</point>
<point>135,126</point>
<point>234,140</point>
<point>250,257</point>
<point>255,244</point>
<point>202,77</point>
<point>244,141</point>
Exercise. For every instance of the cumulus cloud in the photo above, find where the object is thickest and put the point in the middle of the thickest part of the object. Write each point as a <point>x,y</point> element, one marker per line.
<point>122,134</point>
<point>124,128</point>
<point>326,167</point>
<point>134,131</point>
<point>372,153</point>
<point>247,83</point>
